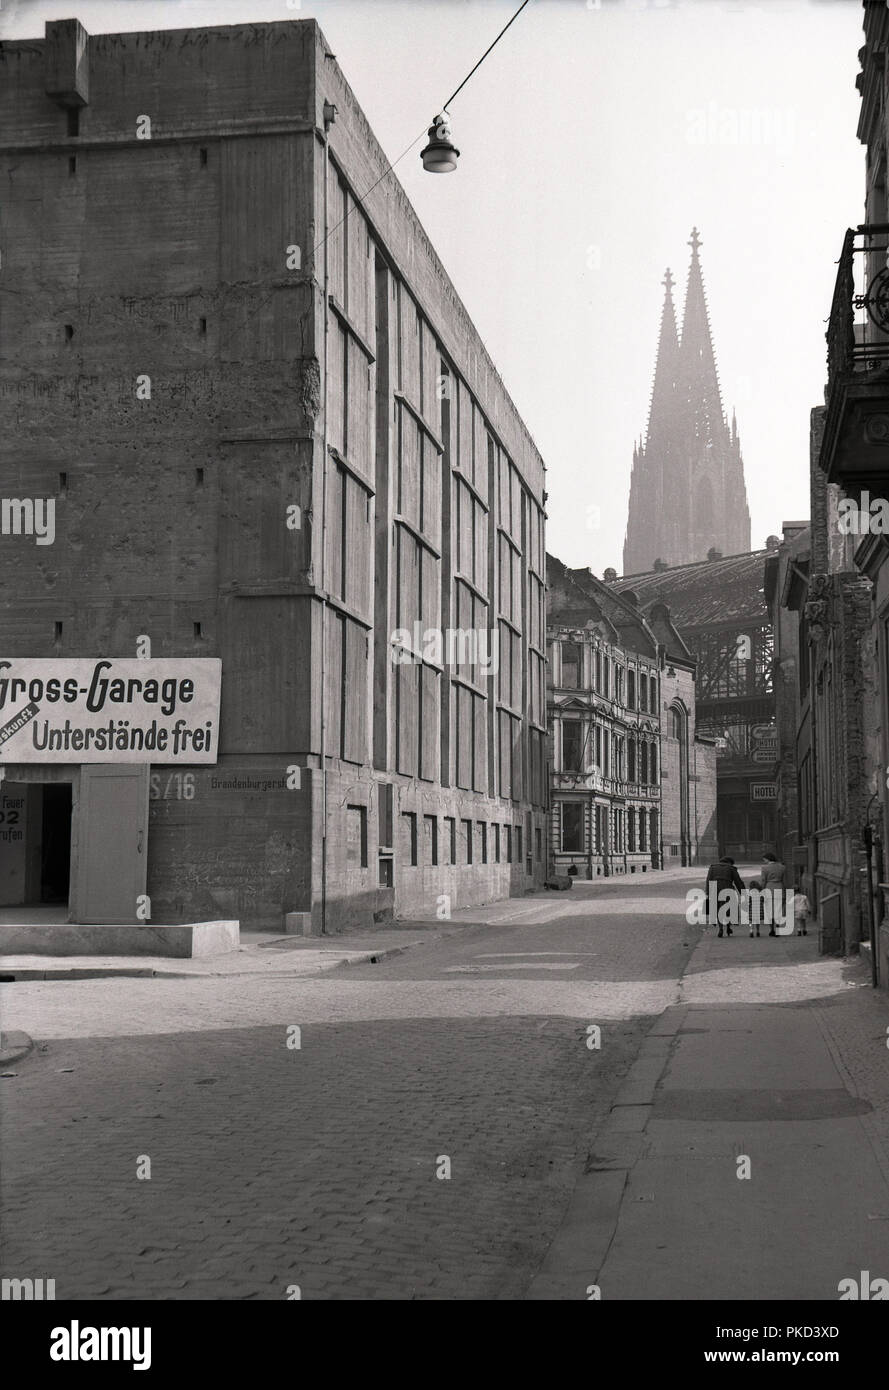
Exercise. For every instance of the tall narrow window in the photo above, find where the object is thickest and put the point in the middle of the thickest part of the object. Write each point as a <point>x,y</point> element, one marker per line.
<point>409,837</point>
<point>572,827</point>
<point>572,745</point>
<point>571,665</point>
<point>631,689</point>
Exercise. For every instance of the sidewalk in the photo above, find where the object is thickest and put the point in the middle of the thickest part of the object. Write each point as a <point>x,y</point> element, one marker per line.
<point>260,953</point>
<point>762,1059</point>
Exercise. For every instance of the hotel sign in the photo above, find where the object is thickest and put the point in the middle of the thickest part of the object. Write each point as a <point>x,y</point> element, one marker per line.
<point>110,711</point>
<point>763,791</point>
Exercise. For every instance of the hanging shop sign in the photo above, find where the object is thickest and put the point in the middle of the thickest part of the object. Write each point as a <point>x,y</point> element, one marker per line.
<point>110,711</point>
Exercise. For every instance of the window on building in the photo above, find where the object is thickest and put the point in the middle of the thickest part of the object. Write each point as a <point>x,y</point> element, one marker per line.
<point>496,832</point>
<point>631,689</point>
<point>598,669</point>
<point>618,758</point>
<point>642,819</point>
<point>606,676</point>
<point>619,684</point>
<point>652,762</point>
<point>572,827</point>
<point>409,838</point>
<point>631,760</point>
<point>518,844</point>
<point>466,837</point>
<point>571,665</point>
<point>507,842</point>
<point>450,838</point>
<point>482,842</point>
<point>356,837</point>
<point>631,831</point>
<point>618,832</point>
<point>572,745</point>
<point>643,692</point>
<point>538,843</point>
<point>643,762</point>
<point>606,752</point>
<point>598,744</point>
<point>430,839</point>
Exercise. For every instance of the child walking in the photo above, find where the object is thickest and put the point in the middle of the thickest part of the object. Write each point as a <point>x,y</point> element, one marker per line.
<point>801,913</point>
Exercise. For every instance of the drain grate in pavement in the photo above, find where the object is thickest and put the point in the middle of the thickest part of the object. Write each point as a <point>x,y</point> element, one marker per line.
<point>757,1105</point>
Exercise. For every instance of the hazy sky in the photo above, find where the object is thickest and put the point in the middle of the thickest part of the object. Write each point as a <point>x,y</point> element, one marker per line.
<point>592,140</point>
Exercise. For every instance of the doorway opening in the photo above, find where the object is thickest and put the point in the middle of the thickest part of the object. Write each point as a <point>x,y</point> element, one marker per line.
<point>55,843</point>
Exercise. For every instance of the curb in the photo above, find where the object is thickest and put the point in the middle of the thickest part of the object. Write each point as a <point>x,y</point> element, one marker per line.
<point>14,1046</point>
<point>578,1252</point>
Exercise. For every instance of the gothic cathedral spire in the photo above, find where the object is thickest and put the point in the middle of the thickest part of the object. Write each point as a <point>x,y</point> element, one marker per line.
<point>687,491</point>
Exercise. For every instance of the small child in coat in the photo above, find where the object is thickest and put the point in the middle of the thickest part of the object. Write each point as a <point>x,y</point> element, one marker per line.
<point>801,913</point>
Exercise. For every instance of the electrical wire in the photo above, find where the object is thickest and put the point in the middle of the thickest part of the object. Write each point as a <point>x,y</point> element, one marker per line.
<point>484,55</point>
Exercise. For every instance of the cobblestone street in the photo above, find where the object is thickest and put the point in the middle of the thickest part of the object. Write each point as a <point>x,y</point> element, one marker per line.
<point>323,1166</point>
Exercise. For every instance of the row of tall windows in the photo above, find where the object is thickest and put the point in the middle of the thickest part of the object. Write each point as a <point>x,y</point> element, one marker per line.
<point>635,690</point>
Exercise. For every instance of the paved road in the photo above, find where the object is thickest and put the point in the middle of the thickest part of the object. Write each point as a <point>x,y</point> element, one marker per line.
<point>323,1167</point>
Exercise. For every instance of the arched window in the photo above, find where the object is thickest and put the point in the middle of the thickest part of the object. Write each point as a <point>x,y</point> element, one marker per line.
<point>643,692</point>
<point>571,665</point>
<point>677,719</point>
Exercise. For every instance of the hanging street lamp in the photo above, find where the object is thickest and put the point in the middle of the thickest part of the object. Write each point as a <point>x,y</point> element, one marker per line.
<point>440,155</point>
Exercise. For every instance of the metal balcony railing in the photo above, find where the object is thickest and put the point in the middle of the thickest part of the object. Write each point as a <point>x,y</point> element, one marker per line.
<point>858,328</point>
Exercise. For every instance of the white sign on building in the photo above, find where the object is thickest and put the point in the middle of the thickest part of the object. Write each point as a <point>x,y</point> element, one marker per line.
<point>763,791</point>
<point>110,711</point>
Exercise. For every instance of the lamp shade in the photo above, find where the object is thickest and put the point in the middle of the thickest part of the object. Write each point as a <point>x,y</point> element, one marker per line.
<point>440,155</point>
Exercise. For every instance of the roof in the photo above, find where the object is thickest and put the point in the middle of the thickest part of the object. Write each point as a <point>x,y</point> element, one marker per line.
<point>575,596</point>
<point>708,593</point>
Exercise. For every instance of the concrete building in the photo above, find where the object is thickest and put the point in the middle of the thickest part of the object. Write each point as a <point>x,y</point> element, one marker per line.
<point>718,607</point>
<point>633,787</point>
<point>273,440</point>
<point>687,490</point>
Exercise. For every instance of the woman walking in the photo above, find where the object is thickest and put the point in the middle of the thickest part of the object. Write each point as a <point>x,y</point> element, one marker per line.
<point>771,880</point>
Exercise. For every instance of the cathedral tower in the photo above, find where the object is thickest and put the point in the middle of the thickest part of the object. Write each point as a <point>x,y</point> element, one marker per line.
<point>687,492</point>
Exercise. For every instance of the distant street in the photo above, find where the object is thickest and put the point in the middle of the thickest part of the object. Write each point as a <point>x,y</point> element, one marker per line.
<point>325,1166</point>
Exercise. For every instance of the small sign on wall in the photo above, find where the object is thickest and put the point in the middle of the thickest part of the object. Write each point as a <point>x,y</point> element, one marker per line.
<point>763,791</point>
<point>13,844</point>
<point>110,711</point>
